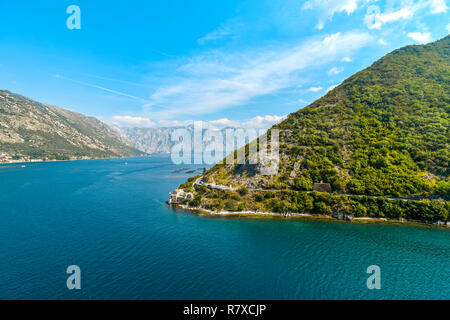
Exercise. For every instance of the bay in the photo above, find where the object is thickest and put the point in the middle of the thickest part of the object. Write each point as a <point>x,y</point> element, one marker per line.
<point>109,217</point>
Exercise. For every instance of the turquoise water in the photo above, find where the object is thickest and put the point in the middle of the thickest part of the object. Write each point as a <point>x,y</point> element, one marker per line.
<point>109,218</point>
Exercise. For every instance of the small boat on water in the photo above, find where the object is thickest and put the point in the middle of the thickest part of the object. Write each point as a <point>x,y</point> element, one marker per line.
<point>23,166</point>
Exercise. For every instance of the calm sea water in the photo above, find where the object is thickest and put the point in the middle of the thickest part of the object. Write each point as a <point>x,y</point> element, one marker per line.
<point>109,218</point>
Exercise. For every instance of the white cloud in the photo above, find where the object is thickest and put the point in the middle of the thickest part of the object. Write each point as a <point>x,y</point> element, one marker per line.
<point>347,59</point>
<point>438,6</point>
<point>334,71</point>
<point>134,121</point>
<point>265,122</point>
<point>375,19</point>
<point>331,38</point>
<point>315,89</point>
<point>448,28</point>
<point>226,29</point>
<point>328,8</point>
<point>174,123</point>
<point>214,80</point>
<point>332,87</point>
<point>224,123</point>
<point>258,122</point>
<point>404,13</point>
<point>382,42</point>
<point>420,37</point>
<point>214,35</point>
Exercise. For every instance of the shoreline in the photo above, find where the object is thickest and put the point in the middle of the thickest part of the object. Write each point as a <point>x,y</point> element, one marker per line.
<point>39,161</point>
<point>294,216</point>
<point>70,160</point>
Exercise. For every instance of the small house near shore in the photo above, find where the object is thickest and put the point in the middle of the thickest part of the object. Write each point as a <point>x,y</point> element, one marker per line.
<point>322,187</point>
<point>180,196</point>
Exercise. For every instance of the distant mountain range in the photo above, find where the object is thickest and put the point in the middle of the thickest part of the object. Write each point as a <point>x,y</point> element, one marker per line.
<point>30,130</point>
<point>149,140</point>
<point>159,140</point>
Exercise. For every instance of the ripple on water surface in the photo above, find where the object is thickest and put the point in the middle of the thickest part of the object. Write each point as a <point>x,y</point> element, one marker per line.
<point>110,219</point>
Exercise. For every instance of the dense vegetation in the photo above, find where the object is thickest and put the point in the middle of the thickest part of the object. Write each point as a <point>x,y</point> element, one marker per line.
<point>383,133</point>
<point>320,203</point>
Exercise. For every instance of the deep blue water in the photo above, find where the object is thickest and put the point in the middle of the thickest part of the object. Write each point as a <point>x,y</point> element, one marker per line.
<point>109,218</point>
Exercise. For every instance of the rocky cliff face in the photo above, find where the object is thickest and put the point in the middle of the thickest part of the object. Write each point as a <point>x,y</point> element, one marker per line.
<point>32,130</point>
<point>159,140</point>
<point>149,140</point>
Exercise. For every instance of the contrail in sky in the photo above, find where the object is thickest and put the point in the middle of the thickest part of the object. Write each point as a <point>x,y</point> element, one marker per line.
<point>104,89</point>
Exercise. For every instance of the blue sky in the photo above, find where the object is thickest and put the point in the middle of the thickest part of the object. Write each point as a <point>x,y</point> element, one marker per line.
<point>228,62</point>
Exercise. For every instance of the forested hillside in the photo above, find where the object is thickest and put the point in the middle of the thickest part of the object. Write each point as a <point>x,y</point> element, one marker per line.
<point>383,133</point>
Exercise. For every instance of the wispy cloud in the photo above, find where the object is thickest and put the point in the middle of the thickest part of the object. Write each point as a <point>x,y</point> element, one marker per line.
<point>143,85</point>
<point>405,10</point>
<point>375,19</point>
<point>265,122</point>
<point>420,37</point>
<point>258,122</point>
<point>438,6</point>
<point>214,81</point>
<point>328,8</point>
<point>334,71</point>
<point>332,87</point>
<point>141,100</point>
<point>226,29</point>
<point>382,42</point>
<point>132,121</point>
<point>403,13</point>
<point>315,89</point>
